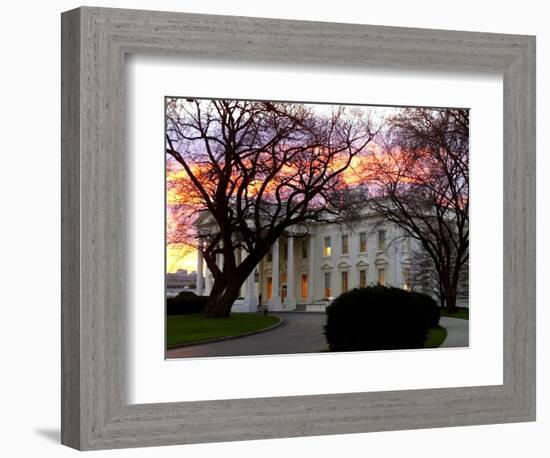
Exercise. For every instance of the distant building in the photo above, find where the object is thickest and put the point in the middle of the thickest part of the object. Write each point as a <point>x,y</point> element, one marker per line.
<point>181,279</point>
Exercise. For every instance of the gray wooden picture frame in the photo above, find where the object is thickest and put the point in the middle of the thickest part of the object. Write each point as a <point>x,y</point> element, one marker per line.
<point>95,412</point>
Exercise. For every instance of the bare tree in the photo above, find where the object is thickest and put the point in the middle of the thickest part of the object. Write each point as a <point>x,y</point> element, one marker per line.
<point>424,276</point>
<point>255,168</point>
<point>420,181</point>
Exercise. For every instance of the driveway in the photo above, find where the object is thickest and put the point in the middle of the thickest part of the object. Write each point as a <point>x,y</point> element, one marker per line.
<point>457,332</point>
<point>299,333</point>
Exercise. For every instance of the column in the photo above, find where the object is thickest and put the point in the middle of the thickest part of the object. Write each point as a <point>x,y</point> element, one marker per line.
<point>207,282</point>
<point>397,265</point>
<point>290,276</point>
<point>261,282</point>
<point>311,269</point>
<point>275,301</point>
<point>336,276</point>
<point>200,279</point>
<point>353,279</point>
<point>250,300</point>
<point>238,260</point>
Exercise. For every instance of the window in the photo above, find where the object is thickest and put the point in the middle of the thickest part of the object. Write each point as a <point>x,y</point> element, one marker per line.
<point>345,246</point>
<point>381,240</point>
<point>270,255</point>
<point>406,278</point>
<point>362,278</point>
<point>382,276</point>
<point>269,287</point>
<point>303,286</point>
<point>362,242</point>
<point>328,290</point>
<point>327,251</point>
<point>344,281</point>
<point>285,251</point>
<point>304,249</point>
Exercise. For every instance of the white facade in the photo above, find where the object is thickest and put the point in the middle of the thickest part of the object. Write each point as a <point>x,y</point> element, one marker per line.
<point>304,272</point>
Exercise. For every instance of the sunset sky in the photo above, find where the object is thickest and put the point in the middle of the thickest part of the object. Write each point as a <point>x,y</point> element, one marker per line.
<point>178,257</point>
<point>185,257</point>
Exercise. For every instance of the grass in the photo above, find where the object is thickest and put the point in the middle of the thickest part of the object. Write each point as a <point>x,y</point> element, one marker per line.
<point>461,312</point>
<point>436,336</point>
<point>184,329</point>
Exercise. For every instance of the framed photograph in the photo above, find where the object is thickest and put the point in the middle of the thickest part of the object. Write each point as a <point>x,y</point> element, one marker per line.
<point>344,226</point>
<point>278,228</point>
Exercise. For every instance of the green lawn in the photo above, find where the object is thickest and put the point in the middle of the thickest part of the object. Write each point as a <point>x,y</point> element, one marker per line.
<point>436,336</point>
<point>461,312</point>
<point>182,329</point>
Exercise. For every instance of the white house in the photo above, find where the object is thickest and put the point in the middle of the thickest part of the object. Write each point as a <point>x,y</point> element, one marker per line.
<point>303,273</point>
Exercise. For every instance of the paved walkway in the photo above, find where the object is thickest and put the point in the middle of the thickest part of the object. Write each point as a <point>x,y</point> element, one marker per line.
<point>457,332</point>
<point>300,333</point>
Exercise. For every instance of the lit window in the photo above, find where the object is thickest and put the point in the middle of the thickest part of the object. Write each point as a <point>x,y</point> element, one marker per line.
<point>304,249</point>
<point>382,277</point>
<point>327,250</point>
<point>362,278</point>
<point>345,246</point>
<point>406,278</point>
<point>381,240</point>
<point>328,290</point>
<point>303,286</point>
<point>269,287</point>
<point>362,242</point>
<point>344,281</point>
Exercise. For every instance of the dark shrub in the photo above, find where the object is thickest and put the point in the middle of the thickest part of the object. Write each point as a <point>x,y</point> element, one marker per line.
<point>185,303</point>
<point>432,310</point>
<point>185,294</point>
<point>376,318</point>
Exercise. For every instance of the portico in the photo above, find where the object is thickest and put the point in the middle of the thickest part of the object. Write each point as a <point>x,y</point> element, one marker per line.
<point>278,279</point>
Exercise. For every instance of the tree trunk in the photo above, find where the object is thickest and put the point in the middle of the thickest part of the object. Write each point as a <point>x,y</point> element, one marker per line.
<point>223,295</point>
<point>450,299</point>
<point>215,292</point>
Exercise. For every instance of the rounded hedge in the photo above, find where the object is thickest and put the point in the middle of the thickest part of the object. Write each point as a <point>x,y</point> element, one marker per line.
<point>185,303</point>
<point>432,310</point>
<point>378,318</point>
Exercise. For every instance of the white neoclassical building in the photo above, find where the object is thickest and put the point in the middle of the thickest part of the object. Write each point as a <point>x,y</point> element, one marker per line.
<point>303,273</point>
